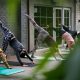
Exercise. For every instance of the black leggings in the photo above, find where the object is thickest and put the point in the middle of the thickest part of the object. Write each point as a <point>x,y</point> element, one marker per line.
<point>25,53</point>
<point>18,55</point>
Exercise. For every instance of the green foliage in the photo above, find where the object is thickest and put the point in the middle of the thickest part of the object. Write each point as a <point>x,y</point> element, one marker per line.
<point>48,54</point>
<point>12,7</point>
<point>68,69</point>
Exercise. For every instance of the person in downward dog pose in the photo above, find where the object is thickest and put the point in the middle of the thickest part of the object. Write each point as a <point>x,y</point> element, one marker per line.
<point>68,38</point>
<point>4,59</point>
<point>73,33</point>
<point>43,35</point>
<point>10,39</point>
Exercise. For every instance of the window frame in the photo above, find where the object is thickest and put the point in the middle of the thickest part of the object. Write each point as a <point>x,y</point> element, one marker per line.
<point>62,19</point>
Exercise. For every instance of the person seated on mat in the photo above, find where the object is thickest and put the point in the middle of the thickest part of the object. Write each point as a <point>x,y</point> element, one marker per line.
<point>10,39</point>
<point>4,58</point>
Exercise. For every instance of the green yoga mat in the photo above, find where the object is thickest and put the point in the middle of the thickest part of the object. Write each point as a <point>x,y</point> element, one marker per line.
<point>5,71</point>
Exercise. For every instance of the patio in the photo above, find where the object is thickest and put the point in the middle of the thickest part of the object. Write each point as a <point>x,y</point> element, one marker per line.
<point>29,68</point>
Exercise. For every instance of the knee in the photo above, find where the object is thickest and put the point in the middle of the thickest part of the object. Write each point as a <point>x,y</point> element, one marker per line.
<point>23,53</point>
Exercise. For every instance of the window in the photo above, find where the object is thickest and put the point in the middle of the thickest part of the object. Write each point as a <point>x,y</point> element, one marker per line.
<point>60,16</point>
<point>66,17</point>
<point>49,17</point>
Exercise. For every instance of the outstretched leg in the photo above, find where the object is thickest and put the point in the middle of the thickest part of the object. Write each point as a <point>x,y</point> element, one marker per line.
<point>24,52</point>
<point>50,42</point>
<point>18,57</point>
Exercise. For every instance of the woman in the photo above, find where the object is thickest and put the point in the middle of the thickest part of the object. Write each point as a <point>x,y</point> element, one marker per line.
<point>10,39</point>
<point>68,38</point>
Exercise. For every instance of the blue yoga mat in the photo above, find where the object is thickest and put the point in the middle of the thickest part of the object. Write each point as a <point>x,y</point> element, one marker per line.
<point>5,71</point>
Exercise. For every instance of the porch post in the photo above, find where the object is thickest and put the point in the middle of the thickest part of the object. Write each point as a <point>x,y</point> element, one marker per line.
<point>24,24</point>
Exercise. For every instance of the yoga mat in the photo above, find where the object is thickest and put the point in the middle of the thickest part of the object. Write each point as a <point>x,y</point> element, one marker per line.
<point>51,58</point>
<point>5,71</point>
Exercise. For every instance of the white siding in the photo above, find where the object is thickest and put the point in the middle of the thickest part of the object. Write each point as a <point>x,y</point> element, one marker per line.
<point>24,25</point>
<point>78,16</point>
<point>31,27</point>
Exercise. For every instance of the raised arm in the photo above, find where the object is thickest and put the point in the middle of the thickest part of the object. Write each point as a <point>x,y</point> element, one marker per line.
<point>42,32</point>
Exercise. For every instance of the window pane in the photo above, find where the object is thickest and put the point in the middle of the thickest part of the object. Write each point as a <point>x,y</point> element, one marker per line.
<point>58,21</point>
<point>43,11</point>
<point>43,22</point>
<point>66,17</point>
<point>66,21</point>
<point>49,11</point>
<point>58,13</point>
<point>50,25</point>
<point>37,11</point>
<point>37,19</point>
<point>66,13</point>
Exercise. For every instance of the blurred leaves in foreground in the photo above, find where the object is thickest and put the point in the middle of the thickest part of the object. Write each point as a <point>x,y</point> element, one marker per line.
<point>68,69</point>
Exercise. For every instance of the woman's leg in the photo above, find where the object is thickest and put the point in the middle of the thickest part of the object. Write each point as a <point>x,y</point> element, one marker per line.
<point>18,57</point>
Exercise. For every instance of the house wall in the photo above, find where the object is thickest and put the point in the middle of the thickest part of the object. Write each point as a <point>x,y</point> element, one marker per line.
<point>9,18</point>
<point>56,3</point>
<point>13,19</point>
<point>78,16</point>
<point>24,24</point>
<point>2,18</point>
<point>53,3</point>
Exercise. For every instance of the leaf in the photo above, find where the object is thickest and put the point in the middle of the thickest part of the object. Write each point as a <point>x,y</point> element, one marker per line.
<point>69,69</point>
